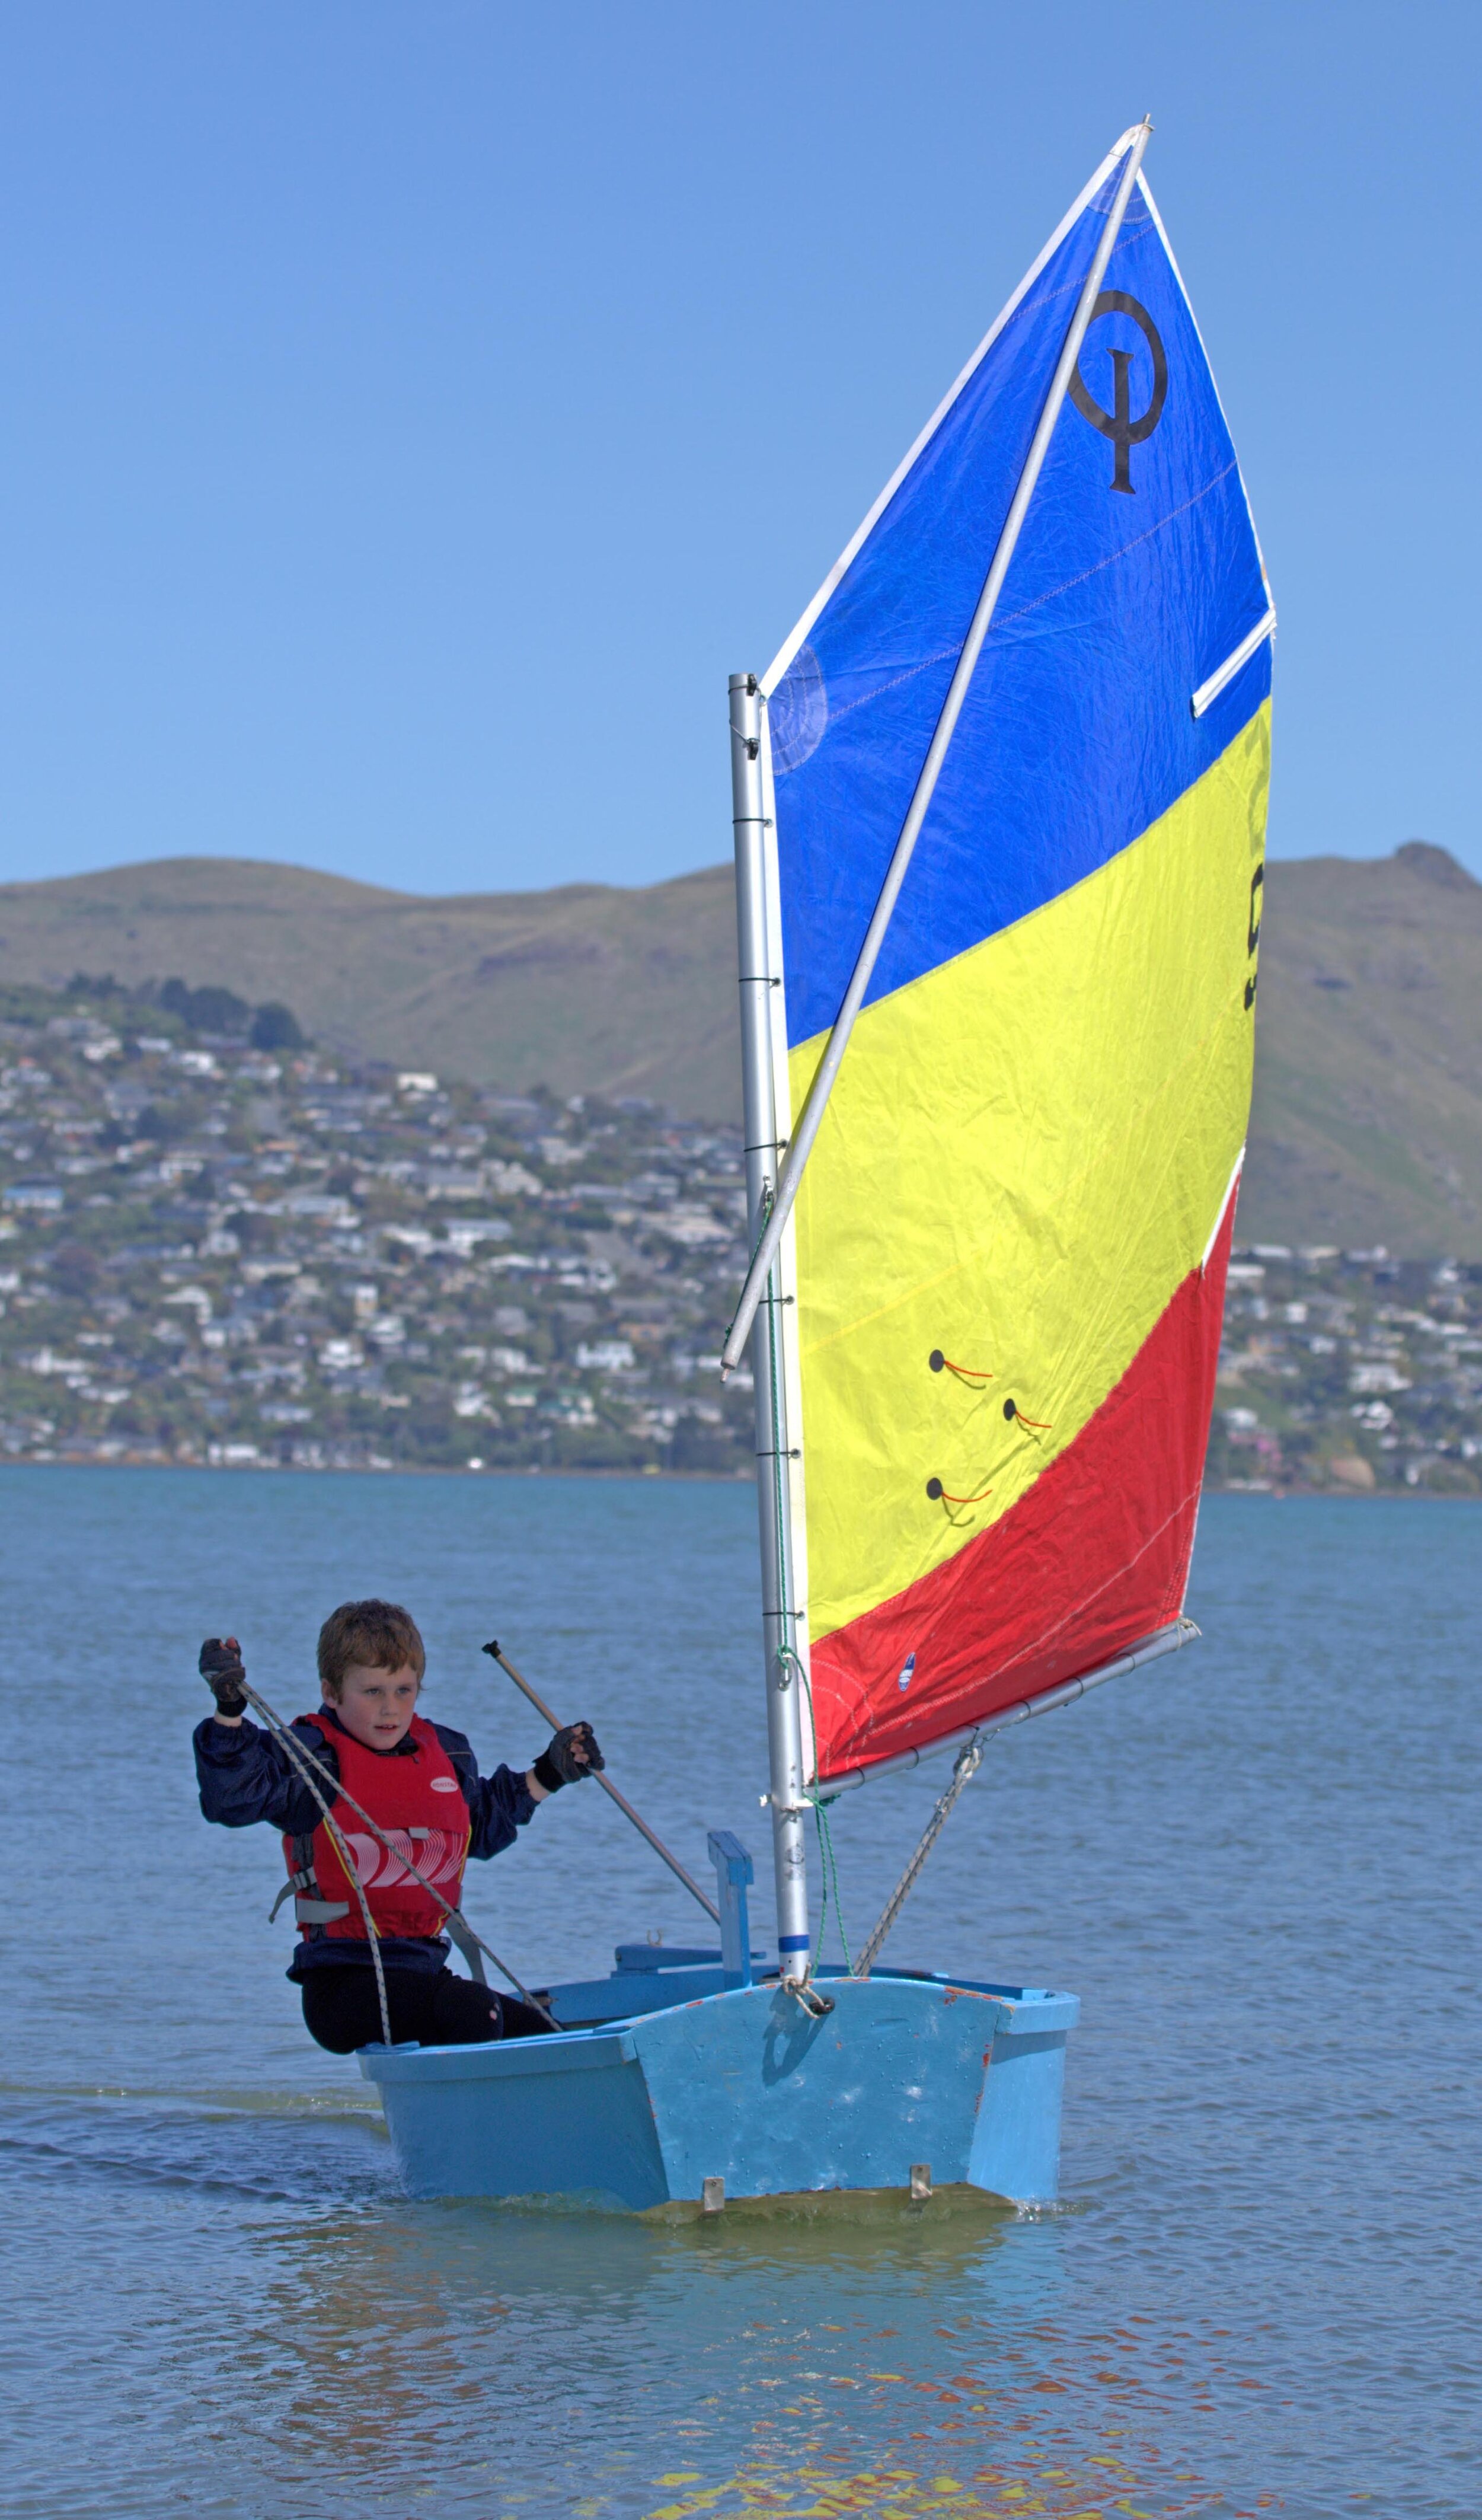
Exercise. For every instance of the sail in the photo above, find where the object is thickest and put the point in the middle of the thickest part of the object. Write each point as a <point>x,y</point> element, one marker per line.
<point>1009,1248</point>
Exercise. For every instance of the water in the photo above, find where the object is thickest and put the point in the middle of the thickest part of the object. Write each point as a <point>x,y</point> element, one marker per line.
<point>1257,1865</point>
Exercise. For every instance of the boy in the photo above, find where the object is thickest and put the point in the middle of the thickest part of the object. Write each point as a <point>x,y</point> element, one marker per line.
<point>417,1781</point>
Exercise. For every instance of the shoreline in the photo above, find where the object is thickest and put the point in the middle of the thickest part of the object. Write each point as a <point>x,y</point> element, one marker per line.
<point>651,1472</point>
<point>387,1469</point>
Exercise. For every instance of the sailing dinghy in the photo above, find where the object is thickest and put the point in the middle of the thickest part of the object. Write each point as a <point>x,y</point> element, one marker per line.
<point>1000,816</point>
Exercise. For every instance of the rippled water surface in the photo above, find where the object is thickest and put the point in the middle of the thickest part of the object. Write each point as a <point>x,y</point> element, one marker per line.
<point>1257,1864</point>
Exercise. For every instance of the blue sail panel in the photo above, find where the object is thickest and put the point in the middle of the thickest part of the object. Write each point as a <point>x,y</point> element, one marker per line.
<point>1136,576</point>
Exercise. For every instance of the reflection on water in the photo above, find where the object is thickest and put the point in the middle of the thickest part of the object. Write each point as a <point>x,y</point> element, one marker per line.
<point>314,2326</point>
<point>1263,1883</point>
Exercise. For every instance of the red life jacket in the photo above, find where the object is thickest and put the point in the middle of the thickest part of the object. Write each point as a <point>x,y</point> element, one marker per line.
<point>417,1799</point>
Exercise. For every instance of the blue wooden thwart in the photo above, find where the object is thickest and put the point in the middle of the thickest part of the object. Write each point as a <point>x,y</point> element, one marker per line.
<point>693,2073</point>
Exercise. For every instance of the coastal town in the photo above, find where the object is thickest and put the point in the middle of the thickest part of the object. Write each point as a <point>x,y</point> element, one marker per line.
<point>223,1246</point>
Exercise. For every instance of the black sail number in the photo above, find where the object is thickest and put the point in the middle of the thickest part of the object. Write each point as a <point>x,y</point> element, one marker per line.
<point>1253,927</point>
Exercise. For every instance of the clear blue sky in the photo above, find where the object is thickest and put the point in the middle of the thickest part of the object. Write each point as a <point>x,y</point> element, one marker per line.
<point>413,409</point>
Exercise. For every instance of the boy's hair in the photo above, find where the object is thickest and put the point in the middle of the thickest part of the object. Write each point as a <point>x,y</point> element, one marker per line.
<point>378,1633</point>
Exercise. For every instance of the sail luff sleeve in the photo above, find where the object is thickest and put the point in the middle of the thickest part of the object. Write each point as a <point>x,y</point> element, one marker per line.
<point>1011,1234</point>
<point>826,1071</point>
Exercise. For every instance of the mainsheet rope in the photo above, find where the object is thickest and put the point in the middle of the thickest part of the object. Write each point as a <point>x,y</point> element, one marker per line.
<point>828,1868</point>
<point>299,1752</point>
<point>373,1931</point>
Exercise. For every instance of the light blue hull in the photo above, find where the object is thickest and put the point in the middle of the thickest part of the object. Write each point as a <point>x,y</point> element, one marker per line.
<point>684,2081</point>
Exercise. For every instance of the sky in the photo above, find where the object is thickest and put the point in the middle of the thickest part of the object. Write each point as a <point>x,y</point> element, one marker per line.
<point>412,410</point>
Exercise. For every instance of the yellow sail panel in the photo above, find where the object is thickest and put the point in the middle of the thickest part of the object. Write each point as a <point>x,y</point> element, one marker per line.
<point>1026,1154</point>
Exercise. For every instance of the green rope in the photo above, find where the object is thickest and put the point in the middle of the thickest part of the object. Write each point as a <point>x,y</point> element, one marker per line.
<point>829,1871</point>
<point>828,1867</point>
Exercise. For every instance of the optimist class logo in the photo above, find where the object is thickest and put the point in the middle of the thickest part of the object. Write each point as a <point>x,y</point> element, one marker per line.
<point>1118,425</point>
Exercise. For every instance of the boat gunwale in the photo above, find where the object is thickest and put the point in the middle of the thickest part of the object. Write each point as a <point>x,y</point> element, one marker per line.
<point>1021,2012</point>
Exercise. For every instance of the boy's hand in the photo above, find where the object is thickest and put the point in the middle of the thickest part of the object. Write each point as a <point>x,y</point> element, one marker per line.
<point>223,1671</point>
<point>573,1754</point>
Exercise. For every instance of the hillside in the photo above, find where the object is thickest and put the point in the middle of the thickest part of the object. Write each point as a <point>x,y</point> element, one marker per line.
<point>1368,1122</point>
<point>1369,1096</point>
<point>219,1253</point>
<point>634,991</point>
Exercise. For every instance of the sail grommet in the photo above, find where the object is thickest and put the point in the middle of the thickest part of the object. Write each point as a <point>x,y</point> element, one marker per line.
<point>940,1495</point>
<point>1010,1408</point>
<point>969,1373</point>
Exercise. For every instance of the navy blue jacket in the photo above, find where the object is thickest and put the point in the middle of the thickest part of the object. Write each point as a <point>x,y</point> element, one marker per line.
<point>246,1776</point>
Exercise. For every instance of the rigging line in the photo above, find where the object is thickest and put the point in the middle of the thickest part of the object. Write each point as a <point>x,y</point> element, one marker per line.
<point>964,1768</point>
<point>828,1862</point>
<point>373,1930</point>
<point>829,1867</point>
<point>299,1751</point>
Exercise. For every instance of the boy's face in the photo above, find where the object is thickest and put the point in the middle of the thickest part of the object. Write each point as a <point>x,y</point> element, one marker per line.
<point>378,1706</point>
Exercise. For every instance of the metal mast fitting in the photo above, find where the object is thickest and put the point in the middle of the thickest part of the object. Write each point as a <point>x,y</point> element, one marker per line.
<point>813,1110</point>
<point>785,1728</point>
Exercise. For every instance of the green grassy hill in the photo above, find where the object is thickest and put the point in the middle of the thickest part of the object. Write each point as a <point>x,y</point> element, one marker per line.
<point>1368,1092</point>
<point>1368,1120</point>
<point>632,991</point>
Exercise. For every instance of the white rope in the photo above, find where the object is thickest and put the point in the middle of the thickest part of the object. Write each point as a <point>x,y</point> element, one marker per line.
<point>964,1768</point>
<point>297,1751</point>
<point>373,1931</point>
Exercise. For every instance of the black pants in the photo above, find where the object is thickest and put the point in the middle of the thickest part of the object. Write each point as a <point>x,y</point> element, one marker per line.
<point>341,2010</point>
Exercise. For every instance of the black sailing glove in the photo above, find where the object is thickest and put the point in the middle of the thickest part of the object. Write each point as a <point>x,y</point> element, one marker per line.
<point>223,1671</point>
<point>572,1755</point>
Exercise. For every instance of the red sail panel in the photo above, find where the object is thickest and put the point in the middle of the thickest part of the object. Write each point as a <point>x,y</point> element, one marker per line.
<point>1093,1558</point>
